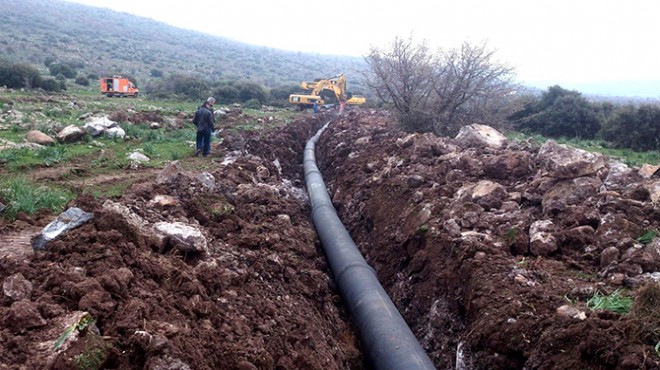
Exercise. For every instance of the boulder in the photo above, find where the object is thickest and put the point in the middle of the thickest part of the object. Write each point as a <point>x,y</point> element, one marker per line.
<point>96,126</point>
<point>541,240</point>
<point>648,171</point>
<point>476,135</point>
<point>564,162</point>
<point>180,236</point>
<point>169,174</point>
<point>115,132</point>
<point>38,137</point>
<point>69,219</point>
<point>70,134</point>
<point>138,157</point>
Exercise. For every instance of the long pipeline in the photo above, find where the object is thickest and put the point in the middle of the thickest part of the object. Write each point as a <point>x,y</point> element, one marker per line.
<point>388,342</point>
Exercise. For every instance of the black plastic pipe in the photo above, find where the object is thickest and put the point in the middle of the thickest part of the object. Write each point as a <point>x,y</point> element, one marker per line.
<point>388,342</point>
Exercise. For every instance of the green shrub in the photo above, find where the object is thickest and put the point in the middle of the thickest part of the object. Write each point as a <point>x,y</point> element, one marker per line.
<point>82,80</point>
<point>633,127</point>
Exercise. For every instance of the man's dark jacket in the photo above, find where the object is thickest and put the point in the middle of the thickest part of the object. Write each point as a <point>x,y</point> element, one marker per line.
<point>204,119</point>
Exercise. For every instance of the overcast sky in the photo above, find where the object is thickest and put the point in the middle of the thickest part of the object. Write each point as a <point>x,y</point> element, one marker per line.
<point>558,41</point>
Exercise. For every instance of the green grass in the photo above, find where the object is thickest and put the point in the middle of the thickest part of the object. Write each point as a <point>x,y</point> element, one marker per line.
<point>647,236</point>
<point>615,302</point>
<point>21,195</point>
<point>627,156</point>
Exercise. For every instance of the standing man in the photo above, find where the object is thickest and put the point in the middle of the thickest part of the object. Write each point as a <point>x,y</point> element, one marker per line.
<point>205,121</point>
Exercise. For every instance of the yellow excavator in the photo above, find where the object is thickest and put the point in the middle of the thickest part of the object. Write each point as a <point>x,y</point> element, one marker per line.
<point>326,93</point>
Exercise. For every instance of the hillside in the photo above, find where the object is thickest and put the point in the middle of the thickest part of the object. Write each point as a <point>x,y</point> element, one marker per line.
<point>103,41</point>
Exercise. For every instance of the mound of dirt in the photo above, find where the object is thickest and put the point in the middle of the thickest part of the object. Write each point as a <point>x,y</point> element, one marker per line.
<point>111,294</point>
<point>491,250</point>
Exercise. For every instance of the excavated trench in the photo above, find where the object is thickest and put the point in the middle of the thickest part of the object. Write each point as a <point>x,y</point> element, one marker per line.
<point>446,227</point>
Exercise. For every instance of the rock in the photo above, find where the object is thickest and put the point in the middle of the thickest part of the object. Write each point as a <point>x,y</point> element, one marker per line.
<point>206,179</point>
<point>363,140</point>
<point>608,256</point>
<point>569,193</point>
<point>115,133</point>
<point>648,170</point>
<point>489,194</point>
<point>38,137</point>
<point>262,173</point>
<point>154,125</point>
<point>578,237</point>
<point>163,201</point>
<point>415,181</point>
<point>406,141</point>
<point>69,219</point>
<point>452,228</point>
<point>564,162</point>
<point>70,134</point>
<point>246,365</point>
<point>541,240</point>
<point>572,312</point>
<point>17,287</point>
<point>138,157</point>
<point>476,135</point>
<point>508,165</point>
<point>129,216</point>
<point>654,191</point>
<point>166,363</point>
<point>618,177</point>
<point>417,197</point>
<point>23,315</point>
<point>96,126</point>
<point>169,174</point>
<point>180,236</point>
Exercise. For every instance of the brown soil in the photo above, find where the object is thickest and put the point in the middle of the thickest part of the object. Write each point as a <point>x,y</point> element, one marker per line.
<point>263,298</point>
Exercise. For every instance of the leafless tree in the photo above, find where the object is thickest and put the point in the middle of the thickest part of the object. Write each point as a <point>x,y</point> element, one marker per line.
<point>403,78</point>
<point>441,92</point>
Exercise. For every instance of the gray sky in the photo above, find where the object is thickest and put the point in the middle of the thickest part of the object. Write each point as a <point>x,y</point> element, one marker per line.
<point>554,42</point>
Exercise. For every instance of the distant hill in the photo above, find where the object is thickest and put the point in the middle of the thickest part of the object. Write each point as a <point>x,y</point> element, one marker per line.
<point>103,41</point>
<point>619,91</point>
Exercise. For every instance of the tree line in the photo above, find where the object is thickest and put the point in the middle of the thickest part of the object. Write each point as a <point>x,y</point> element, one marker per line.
<point>441,91</point>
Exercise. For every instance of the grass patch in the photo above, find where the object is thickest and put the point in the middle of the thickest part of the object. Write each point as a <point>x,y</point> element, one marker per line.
<point>627,156</point>
<point>647,236</point>
<point>615,302</point>
<point>21,195</point>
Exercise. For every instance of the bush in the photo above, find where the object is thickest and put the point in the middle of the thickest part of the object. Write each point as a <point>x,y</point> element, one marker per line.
<point>82,80</point>
<point>226,94</point>
<point>559,113</point>
<point>65,70</point>
<point>279,96</point>
<point>16,76</point>
<point>637,128</point>
<point>50,84</point>
<point>251,90</point>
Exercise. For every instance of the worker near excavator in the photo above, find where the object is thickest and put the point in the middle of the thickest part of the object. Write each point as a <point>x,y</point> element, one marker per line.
<point>205,121</point>
<point>315,106</point>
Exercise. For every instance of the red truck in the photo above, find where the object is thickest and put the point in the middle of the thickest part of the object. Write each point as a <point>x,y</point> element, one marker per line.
<point>118,86</point>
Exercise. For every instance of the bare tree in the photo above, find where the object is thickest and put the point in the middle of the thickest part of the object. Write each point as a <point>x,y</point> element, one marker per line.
<point>403,78</point>
<point>444,91</point>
